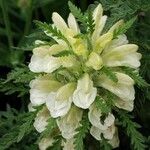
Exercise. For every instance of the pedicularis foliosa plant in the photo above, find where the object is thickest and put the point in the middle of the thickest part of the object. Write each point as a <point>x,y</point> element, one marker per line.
<point>82,86</point>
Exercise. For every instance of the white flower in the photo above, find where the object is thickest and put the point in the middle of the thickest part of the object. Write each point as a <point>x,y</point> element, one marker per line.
<point>95,118</point>
<point>41,87</point>
<point>124,88</point>
<point>108,133</point>
<point>40,122</point>
<point>85,93</point>
<point>44,143</point>
<point>70,122</point>
<point>59,102</point>
<point>42,55</point>
<point>68,145</point>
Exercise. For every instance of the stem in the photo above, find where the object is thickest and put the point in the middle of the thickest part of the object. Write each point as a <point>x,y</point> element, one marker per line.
<point>7,24</point>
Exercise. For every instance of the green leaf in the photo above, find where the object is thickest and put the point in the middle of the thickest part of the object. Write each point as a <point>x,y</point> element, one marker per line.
<point>101,104</point>
<point>81,133</point>
<point>137,139</point>
<point>51,30</point>
<point>104,145</point>
<point>78,14</point>
<point>135,76</point>
<point>49,128</point>
<point>123,29</point>
<point>108,72</point>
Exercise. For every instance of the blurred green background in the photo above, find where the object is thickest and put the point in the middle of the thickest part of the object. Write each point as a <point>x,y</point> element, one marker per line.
<point>18,32</point>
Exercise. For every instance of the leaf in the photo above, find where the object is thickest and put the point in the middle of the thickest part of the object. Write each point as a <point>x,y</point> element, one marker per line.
<point>137,139</point>
<point>81,133</point>
<point>135,76</point>
<point>101,104</point>
<point>78,14</point>
<point>123,29</point>
<point>108,72</point>
<point>51,30</point>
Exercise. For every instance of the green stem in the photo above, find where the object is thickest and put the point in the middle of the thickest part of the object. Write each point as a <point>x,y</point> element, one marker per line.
<point>7,23</point>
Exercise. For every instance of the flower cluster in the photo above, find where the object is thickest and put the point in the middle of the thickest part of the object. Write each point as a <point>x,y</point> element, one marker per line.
<point>73,78</point>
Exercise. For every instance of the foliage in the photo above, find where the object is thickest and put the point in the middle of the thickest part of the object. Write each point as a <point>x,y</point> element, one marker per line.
<point>137,139</point>
<point>81,133</point>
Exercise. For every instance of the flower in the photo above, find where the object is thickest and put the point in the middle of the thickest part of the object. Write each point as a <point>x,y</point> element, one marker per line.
<point>72,76</point>
<point>40,122</point>
<point>59,102</point>
<point>41,87</point>
<point>85,93</point>
<point>95,115</point>
<point>70,122</point>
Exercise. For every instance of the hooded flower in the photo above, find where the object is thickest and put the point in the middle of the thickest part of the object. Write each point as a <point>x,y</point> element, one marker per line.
<point>40,122</point>
<point>70,122</point>
<point>68,144</point>
<point>59,102</point>
<point>41,87</point>
<point>85,93</point>
<point>95,118</point>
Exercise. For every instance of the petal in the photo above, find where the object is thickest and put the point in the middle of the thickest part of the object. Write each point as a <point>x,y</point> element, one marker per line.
<point>59,22</point>
<point>72,23</point>
<point>44,143</point>
<point>59,102</point>
<point>97,13</point>
<point>40,88</point>
<point>85,93</point>
<point>70,122</point>
<point>50,64</point>
<point>123,88</point>
<point>115,140</point>
<point>95,115</point>
<point>35,64</point>
<point>126,105</point>
<point>96,133</point>
<point>40,122</point>
<point>94,61</point>
<point>68,145</point>
<point>116,26</point>
<point>102,42</point>
<point>124,55</point>
<point>98,29</point>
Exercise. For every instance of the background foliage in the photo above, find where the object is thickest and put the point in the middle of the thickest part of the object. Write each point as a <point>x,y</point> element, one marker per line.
<point>17,34</point>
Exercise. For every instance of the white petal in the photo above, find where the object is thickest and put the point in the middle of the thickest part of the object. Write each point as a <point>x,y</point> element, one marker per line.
<point>36,64</point>
<point>40,122</point>
<point>99,28</point>
<point>30,107</point>
<point>127,105</point>
<point>44,143</point>
<point>59,102</point>
<point>85,93</point>
<point>96,133</point>
<point>50,64</point>
<point>59,22</point>
<point>70,122</point>
<point>123,88</point>
<point>121,40</point>
<point>40,88</point>
<point>68,145</point>
<point>72,23</point>
<point>116,26</point>
<point>94,116</point>
<point>115,140</point>
<point>97,13</point>
<point>124,55</point>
